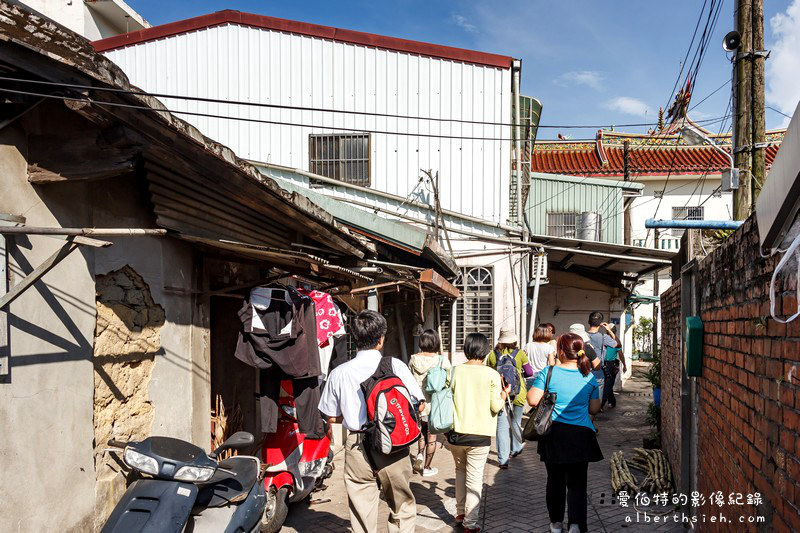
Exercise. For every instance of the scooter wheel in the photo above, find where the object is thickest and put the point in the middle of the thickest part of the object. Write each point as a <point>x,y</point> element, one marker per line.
<point>276,510</point>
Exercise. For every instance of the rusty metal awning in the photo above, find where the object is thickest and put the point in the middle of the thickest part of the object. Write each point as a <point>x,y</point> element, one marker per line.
<point>436,282</point>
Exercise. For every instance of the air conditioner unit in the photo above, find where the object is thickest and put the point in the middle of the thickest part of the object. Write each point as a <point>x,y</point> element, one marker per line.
<point>541,260</point>
<point>779,201</point>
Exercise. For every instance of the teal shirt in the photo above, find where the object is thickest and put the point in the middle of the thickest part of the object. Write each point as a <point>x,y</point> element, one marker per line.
<point>612,353</point>
<point>573,392</point>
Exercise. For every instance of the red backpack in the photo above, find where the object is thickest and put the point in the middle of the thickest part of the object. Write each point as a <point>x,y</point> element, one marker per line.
<point>392,420</point>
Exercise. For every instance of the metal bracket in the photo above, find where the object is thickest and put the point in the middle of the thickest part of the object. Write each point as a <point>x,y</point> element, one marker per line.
<point>752,54</point>
<point>751,146</point>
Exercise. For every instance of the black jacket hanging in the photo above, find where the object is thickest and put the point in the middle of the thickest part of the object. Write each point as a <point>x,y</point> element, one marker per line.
<point>286,335</point>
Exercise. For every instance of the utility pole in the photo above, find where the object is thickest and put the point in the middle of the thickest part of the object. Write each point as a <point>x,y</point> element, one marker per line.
<point>655,304</point>
<point>626,201</point>
<point>758,158</point>
<point>749,130</point>
<point>742,131</point>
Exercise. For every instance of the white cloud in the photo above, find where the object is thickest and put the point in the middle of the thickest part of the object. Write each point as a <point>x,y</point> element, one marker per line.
<point>783,65</point>
<point>589,78</point>
<point>464,24</point>
<point>627,105</point>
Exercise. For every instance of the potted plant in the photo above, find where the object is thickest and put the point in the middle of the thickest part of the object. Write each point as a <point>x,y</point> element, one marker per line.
<point>654,376</point>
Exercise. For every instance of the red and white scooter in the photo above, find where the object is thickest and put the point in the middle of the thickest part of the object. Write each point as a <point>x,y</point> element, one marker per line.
<point>294,465</point>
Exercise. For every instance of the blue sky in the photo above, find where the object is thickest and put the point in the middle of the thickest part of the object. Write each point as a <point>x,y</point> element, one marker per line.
<point>588,61</point>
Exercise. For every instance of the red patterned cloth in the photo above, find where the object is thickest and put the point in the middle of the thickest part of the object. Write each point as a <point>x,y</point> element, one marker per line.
<point>329,318</point>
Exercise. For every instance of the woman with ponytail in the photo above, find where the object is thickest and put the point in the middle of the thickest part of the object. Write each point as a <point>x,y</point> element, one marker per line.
<point>571,444</point>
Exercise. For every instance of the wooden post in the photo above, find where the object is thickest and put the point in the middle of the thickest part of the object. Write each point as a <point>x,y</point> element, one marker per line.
<point>758,158</point>
<point>626,201</point>
<point>742,197</point>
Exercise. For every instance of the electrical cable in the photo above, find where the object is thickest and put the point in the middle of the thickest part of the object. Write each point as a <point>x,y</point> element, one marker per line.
<point>303,108</point>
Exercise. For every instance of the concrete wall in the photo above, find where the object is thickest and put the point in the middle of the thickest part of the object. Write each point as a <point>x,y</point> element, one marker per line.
<point>748,397</point>
<point>48,405</point>
<point>47,408</point>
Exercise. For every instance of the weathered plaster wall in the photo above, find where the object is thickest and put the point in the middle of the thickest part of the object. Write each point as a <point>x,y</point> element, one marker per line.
<point>127,339</point>
<point>46,410</point>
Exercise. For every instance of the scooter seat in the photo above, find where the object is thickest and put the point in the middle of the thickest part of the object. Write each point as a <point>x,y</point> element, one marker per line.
<point>225,488</point>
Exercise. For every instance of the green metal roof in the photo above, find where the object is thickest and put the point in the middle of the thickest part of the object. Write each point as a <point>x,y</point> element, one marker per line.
<point>588,181</point>
<point>393,232</point>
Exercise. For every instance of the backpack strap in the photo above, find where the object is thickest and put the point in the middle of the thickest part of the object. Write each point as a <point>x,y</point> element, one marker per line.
<point>514,355</point>
<point>385,366</point>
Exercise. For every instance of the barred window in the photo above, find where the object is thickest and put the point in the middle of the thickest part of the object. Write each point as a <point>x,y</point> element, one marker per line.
<point>341,157</point>
<point>686,213</point>
<point>474,310</point>
<point>562,224</point>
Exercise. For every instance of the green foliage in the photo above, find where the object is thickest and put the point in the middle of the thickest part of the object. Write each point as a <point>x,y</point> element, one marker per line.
<point>643,335</point>
<point>654,416</point>
<point>653,373</point>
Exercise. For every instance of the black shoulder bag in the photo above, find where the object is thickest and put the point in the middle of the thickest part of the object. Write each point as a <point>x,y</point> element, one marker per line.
<point>538,424</point>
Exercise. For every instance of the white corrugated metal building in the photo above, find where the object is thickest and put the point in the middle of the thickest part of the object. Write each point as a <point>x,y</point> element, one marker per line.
<point>250,58</point>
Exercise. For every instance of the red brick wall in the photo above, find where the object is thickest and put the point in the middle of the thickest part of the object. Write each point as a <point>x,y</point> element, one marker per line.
<point>748,410</point>
<point>671,377</point>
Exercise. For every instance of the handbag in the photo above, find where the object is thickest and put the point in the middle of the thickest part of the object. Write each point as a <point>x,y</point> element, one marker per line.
<point>539,423</point>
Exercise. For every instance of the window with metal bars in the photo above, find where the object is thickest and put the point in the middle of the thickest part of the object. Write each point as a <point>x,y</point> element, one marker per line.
<point>562,224</point>
<point>474,310</point>
<point>341,157</point>
<point>686,213</point>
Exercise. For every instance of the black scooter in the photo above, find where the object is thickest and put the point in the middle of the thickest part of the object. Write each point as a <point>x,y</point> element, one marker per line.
<point>183,489</point>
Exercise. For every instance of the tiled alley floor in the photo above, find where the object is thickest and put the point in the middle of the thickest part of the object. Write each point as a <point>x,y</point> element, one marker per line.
<point>514,498</point>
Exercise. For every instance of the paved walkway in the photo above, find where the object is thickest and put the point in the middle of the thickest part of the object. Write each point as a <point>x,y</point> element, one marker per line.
<point>514,499</point>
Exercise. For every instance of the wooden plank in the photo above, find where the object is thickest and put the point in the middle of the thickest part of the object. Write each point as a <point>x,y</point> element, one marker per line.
<point>77,156</point>
<point>436,282</point>
<point>17,290</point>
<point>377,286</point>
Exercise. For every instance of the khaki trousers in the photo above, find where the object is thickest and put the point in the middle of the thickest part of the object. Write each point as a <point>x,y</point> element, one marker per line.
<point>363,495</point>
<point>470,461</point>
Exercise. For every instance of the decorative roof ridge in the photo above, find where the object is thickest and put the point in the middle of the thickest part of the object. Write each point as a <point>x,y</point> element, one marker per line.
<point>601,153</point>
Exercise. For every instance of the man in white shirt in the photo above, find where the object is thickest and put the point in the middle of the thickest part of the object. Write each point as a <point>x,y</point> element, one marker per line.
<point>343,401</point>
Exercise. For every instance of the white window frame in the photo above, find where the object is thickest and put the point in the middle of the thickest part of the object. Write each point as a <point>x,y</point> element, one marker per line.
<point>687,212</point>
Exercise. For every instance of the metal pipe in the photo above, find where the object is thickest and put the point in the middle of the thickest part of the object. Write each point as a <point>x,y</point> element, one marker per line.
<point>539,258</point>
<point>490,252</point>
<point>651,223</point>
<point>395,265</point>
<point>96,232</point>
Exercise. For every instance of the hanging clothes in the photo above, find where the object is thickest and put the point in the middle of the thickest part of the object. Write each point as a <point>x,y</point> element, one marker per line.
<point>279,329</point>
<point>306,392</point>
<point>329,318</point>
<point>327,350</point>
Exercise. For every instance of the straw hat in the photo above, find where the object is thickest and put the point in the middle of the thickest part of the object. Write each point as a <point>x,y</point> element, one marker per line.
<point>507,336</point>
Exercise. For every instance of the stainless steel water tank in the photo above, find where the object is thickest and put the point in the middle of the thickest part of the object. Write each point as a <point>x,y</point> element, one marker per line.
<point>587,226</point>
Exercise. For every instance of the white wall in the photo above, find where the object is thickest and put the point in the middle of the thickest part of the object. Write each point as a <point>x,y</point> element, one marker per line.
<point>88,21</point>
<point>260,65</point>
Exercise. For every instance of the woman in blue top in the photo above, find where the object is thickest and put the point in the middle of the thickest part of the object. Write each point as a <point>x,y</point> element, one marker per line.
<point>571,444</point>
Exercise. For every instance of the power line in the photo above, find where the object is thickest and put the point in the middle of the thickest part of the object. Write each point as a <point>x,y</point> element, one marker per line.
<point>254,120</point>
<point>779,112</point>
<point>303,108</point>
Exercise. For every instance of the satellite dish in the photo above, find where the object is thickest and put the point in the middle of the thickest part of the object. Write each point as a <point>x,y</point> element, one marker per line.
<point>732,41</point>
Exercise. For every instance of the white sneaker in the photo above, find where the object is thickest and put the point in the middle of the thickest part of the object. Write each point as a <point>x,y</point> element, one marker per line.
<point>556,527</point>
<point>430,472</point>
<point>574,528</point>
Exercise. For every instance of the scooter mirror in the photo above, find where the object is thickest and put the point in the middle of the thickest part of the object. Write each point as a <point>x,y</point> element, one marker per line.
<point>237,441</point>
